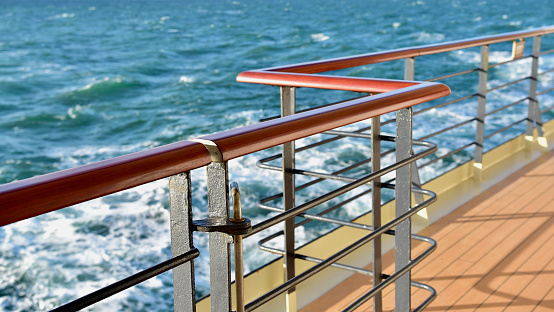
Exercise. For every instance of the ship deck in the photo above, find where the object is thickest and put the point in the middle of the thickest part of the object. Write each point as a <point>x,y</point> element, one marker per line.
<point>495,253</point>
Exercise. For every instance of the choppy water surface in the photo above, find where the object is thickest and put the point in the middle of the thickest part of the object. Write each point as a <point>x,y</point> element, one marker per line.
<point>89,80</point>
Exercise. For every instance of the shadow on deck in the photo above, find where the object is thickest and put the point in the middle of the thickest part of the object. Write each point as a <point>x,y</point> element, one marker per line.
<point>495,253</point>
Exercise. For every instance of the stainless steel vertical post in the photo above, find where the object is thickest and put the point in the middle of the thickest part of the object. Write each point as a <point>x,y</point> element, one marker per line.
<point>403,192</point>
<point>534,111</point>
<point>180,211</point>
<point>288,107</point>
<point>481,110</point>
<point>219,243</point>
<point>409,74</point>
<point>376,209</point>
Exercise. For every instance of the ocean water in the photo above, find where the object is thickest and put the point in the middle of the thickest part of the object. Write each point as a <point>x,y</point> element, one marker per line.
<point>83,81</point>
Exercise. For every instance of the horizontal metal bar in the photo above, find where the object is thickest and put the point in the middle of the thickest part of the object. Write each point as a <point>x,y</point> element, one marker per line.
<point>310,217</point>
<point>356,304</point>
<point>547,52</point>
<point>392,120</point>
<point>505,128</point>
<point>338,135</point>
<point>128,282</point>
<point>506,106</point>
<point>308,258</point>
<point>446,155</point>
<point>281,252</point>
<point>320,217</point>
<point>453,75</point>
<point>322,176</point>
<point>334,207</point>
<point>261,164</point>
<point>349,134</point>
<point>507,84</point>
<point>357,270</point>
<point>342,190</point>
<point>429,299</point>
<point>308,109</point>
<point>317,260</point>
<point>547,109</point>
<point>545,91</point>
<point>303,186</point>
<point>309,146</point>
<point>447,129</point>
<point>334,258</point>
<point>262,204</point>
<point>334,265</point>
<point>421,111</point>
<point>546,71</point>
<point>509,61</point>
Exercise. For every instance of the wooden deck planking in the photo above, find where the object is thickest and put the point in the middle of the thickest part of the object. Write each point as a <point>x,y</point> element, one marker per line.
<point>495,253</point>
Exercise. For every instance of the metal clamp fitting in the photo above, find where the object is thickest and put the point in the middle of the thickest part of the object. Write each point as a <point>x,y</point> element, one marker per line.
<point>212,148</point>
<point>223,225</point>
<point>233,226</point>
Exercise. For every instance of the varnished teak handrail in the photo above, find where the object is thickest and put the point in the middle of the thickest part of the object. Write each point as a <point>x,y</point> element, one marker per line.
<point>398,54</point>
<point>31,197</point>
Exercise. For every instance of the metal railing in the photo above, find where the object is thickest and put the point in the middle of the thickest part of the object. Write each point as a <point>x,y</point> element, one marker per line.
<point>31,197</point>
<point>299,75</point>
<point>28,198</point>
<point>288,78</point>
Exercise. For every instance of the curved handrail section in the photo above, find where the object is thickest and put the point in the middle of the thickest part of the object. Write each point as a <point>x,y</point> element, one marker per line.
<point>38,195</point>
<point>31,197</point>
<point>354,84</point>
<point>397,54</point>
<point>247,140</point>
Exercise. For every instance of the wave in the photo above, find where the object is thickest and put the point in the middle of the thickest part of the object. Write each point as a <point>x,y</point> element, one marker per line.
<point>112,87</point>
<point>62,15</point>
<point>163,86</point>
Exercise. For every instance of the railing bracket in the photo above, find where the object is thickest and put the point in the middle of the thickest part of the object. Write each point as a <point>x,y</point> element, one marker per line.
<point>222,225</point>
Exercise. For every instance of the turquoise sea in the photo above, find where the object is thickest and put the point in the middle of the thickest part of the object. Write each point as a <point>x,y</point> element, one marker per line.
<point>83,81</point>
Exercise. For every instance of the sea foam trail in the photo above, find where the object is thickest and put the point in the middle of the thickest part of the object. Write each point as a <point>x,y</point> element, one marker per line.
<point>101,81</point>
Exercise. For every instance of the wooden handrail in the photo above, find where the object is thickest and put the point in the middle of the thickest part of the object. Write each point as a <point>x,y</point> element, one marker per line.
<point>397,54</point>
<point>34,196</point>
<point>354,84</point>
<point>247,140</point>
<point>38,195</point>
<point>31,197</point>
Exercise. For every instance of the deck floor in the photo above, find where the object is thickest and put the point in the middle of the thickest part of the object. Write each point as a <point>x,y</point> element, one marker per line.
<point>495,253</point>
